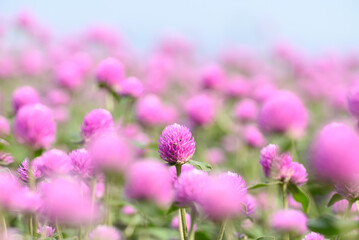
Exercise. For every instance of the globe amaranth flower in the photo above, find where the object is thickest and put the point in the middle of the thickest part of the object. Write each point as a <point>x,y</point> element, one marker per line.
<point>223,197</point>
<point>103,232</point>
<point>46,231</point>
<point>284,113</point>
<point>68,75</point>
<point>334,154</point>
<point>81,162</point>
<point>110,72</point>
<point>201,109</point>
<point>149,180</point>
<point>246,110</point>
<point>4,127</point>
<point>96,121</point>
<point>353,101</point>
<point>6,158</point>
<point>341,207</point>
<point>279,166</point>
<point>189,186</point>
<point>176,144</point>
<point>313,236</point>
<point>131,87</point>
<point>253,137</point>
<point>35,126</point>
<point>289,221</point>
<point>348,190</point>
<point>54,162</point>
<point>173,172</point>
<point>23,170</point>
<point>24,95</point>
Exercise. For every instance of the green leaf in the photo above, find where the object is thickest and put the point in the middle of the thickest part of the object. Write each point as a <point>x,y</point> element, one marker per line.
<point>299,195</point>
<point>335,198</point>
<point>265,238</point>
<point>172,208</point>
<point>260,185</point>
<point>201,165</point>
<point>329,225</point>
<point>200,235</point>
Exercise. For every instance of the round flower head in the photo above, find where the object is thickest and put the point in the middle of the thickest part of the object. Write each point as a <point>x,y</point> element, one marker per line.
<point>67,201</point>
<point>23,96</point>
<point>175,222</point>
<point>251,205</point>
<point>81,162</point>
<point>34,125</point>
<point>253,136</point>
<point>348,190</point>
<point>6,158</point>
<point>110,72</point>
<point>110,152</point>
<point>189,186</point>
<point>149,180</point>
<point>246,110</point>
<point>353,101</point>
<point>176,144</point>
<point>131,87</point>
<point>223,197</point>
<point>68,75</point>
<point>215,156</point>
<point>23,170</point>
<point>292,221</point>
<point>32,62</point>
<point>283,112</point>
<point>341,207</point>
<point>45,230</point>
<point>103,232</point>
<point>212,77</point>
<point>128,210</point>
<point>313,236</point>
<point>54,162</point>
<point>334,154</point>
<point>96,121</point>
<point>4,127</point>
<point>201,109</point>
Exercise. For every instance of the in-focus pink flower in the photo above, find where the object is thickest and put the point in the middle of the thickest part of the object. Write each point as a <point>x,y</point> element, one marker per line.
<point>23,96</point>
<point>149,180</point>
<point>34,125</point>
<point>95,122</point>
<point>290,220</point>
<point>176,144</point>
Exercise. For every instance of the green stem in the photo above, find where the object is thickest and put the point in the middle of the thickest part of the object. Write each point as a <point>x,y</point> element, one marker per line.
<point>193,219</point>
<point>284,195</point>
<point>222,230</point>
<point>59,232</point>
<point>3,225</point>
<point>108,220</point>
<point>182,211</point>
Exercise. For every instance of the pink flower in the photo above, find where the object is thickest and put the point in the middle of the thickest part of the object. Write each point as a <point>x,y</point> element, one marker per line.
<point>283,112</point>
<point>201,109</point>
<point>67,201</point>
<point>173,174</point>
<point>81,162</point>
<point>4,127</point>
<point>32,62</point>
<point>23,170</point>
<point>95,122</point>
<point>341,207</point>
<point>128,210</point>
<point>23,96</point>
<point>110,72</point>
<point>69,75</point>
<point>103,232</point>
<point>213,77</point>
<point>45,230</point>
<point>353,101</point>
<point>175,222</point>
<point>215,156</point>
<point>149,180</point>
<point>110,152</point>
<point>253,137</point>
<point>131,87</point>
<point>313,236</point>
<point>293,221</point>
<point>246,110</point>
<point>251,205</point>
<point>238,87</point>
<point>34,125</point>
<point>57,97</point>
<point>53,162</point>
<point>334,154</point>
<point>189,186</point>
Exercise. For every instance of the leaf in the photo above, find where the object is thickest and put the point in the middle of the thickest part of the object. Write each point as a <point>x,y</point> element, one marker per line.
<point>266,238</point>
<point>299,195</point>
<point>201,165</point>
<point>329,225</point>
<point>335,198</point>
<point>172,208</point>
<point>199,235</point>
<point>260,185</point>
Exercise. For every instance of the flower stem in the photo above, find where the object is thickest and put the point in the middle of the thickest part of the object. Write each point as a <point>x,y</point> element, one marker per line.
<point>3,224</point>
<point>193,219</point>
<point>222,230</point>
<point>59,232</point>
<point>182,211</point>
<point>284,195</point>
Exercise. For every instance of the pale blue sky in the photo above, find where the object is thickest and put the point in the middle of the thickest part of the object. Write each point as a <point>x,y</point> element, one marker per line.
<point>311,24</point>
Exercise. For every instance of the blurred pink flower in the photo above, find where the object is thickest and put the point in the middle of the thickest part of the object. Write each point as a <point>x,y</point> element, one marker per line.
<point>96,122</point>
<point>246,110</point>
<point>293,221</point>
<point>110,72</point>
<point>23,96</point>
<point>201,109</point>
<point>4,127</point>
<point>103,232</point>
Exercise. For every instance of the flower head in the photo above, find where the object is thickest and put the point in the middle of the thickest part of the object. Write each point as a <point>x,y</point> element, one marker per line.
<point>176,144</point>
<point>35,126</point>
<point>103,232</point>
<point>201,109</point>
<point>4,127</point>
<point>23,170</point>
<point>81,162</point>
<point>293,221</point>
<point>110,72</point>
<point>313,236</point>
<point>23,96</point>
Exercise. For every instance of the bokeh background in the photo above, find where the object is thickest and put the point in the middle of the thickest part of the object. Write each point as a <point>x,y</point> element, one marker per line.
<point>314,26</point>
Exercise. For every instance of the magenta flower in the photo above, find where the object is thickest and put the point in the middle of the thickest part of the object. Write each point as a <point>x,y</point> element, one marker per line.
<point>176,144</point>
<point>131,87</point>
<point>334,154</point>
<point>173,172</point>
<point>23,96</point>
<point>96,121</point>
<point>246,110</point>
<point>189,186</point>
<point>68,75</point>
<point>110,152</point>
<point>4,127</point>
<point>128,210</point>
<point>201,109</point>
<point>175,222</point>
<point>110,72</point>
<point>149,180</point>
<point>23,170</point>
<point>253,137</point>
<point>6,158</point>
<point>103,232</point>
<point>34,125</point>
<point>251,205</point>
<point>81,162</point>
<point>292,221</point>
<point>313,236</point>
<point>213,77</point>
<point>283,112</point>
<point>281,167</point>
<point>215,156</point>
<point>348,190</point>
<point>54,162</point>
<point>353,101</point>
<point>45,230</point>
<point>341,207</point>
